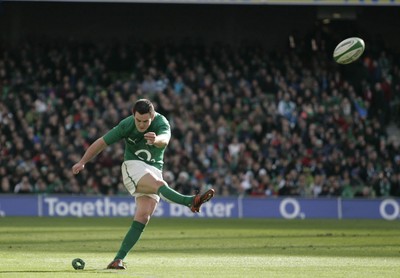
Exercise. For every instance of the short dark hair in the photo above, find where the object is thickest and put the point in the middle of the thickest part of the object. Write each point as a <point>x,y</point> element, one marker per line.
<point>143,106</point>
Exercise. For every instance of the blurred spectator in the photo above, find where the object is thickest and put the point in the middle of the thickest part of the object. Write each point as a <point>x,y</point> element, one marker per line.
<point>182,183</point>
<point>24,186</point>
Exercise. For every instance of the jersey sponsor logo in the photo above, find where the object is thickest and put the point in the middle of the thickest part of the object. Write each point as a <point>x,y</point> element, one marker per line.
<point>144,155</point>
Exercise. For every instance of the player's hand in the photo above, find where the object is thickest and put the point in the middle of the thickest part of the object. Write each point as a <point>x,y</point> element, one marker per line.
<point>150,137</point>
<point>77,168</point>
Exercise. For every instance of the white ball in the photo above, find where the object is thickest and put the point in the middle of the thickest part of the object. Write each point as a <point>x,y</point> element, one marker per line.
<point>348,50</point>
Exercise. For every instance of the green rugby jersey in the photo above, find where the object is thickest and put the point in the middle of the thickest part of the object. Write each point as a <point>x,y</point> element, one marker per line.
<point>135,144</point>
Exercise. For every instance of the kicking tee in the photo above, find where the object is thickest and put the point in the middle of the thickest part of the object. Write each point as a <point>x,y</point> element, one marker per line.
<point>136,147</point>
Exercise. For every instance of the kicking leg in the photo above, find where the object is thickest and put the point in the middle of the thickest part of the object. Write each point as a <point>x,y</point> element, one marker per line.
<point>149,184</point>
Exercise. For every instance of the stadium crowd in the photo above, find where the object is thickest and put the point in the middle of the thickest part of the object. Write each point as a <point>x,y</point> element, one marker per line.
<point>245,121</point>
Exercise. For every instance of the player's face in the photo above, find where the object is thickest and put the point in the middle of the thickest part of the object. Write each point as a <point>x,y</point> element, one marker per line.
<point>142,121</point>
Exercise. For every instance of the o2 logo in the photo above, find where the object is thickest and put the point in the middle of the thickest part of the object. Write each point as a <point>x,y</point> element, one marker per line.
<point>147,155</point>
<point>290,209</point>
<point>389,209</point>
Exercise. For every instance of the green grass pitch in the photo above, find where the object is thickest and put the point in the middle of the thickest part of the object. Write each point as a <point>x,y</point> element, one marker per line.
<point>45,247</point>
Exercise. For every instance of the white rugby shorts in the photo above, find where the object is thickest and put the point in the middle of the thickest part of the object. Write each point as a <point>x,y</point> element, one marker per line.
<point>133,171</point>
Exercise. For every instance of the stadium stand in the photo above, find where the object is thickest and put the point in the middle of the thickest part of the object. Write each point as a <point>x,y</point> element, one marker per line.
<point>245,120</point>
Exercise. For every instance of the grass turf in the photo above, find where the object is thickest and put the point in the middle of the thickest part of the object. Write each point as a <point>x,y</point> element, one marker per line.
<point>45,247</point>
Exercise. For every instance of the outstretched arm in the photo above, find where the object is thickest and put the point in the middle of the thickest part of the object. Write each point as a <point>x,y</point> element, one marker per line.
<point>94,149</point>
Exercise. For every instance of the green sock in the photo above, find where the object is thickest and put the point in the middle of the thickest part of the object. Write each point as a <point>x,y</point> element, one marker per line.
<point>170,195</point>
<point>132,236</point>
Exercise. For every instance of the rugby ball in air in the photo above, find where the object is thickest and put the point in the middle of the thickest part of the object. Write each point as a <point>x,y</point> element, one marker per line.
<point>348,50</point>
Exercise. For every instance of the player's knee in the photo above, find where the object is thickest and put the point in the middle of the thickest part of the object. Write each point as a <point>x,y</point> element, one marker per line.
<point>143,217</point>
<point>160,183</point>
